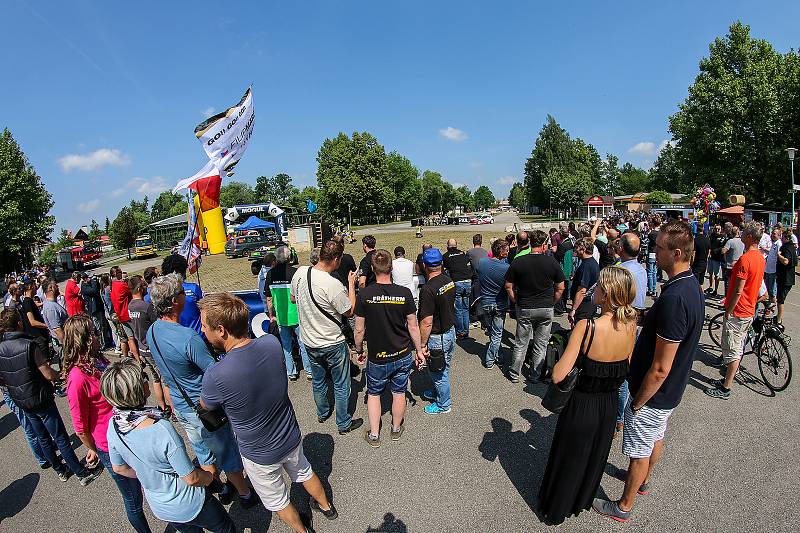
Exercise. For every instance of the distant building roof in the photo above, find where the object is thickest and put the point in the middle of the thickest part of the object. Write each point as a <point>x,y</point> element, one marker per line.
<point>171,221</point>
<point>82,234</point>
<point>599,200</point>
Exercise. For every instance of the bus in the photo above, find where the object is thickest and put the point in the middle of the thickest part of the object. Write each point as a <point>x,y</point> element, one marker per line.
<point>144,247</point>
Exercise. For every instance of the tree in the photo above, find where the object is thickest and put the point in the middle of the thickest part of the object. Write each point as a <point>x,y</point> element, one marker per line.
<point>587,161</point>
<point>278,189</point>
<point>633,180</point>
<point>353,172</point>
<point>464,198</point>
<point>126,226</point>
<point>553,149</point>
<point>236,193</point>
<point>667,173</point>
<point>24,206</point>
<point>484,198</point>
<point>517,196</point>
<point>49,254</point>
<point>738,118</point>
<point>168,204</point>
<point>298,199</point>
<point>405,185</point>
<point>658,198</point>
<point>609,180</point>
<point>108,226</point>
<point>432,192</point>
<point>569,189</point>
<point>94,230</point>
<point>141,207</point>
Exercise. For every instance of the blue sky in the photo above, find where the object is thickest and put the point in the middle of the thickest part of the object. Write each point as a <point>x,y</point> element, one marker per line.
<point>104,96</point>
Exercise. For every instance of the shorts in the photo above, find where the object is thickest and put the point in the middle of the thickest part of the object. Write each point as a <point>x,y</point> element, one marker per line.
<point>643,430</point>
<point>783,292</point>
<point>268,480</point>
<point>218,447</point>
<point>699,272</point>
<point>734,333</point>
<point>125,331</point>
<point>714,267</point>
<point>394,372</point>
<point>150,364</point>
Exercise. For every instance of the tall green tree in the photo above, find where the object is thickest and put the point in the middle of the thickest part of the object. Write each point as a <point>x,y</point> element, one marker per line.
<point>553,150</point>
<point>126,226</point>
<point>108,226</point>
<point>667,173</point>
<point>403,179</point>
<point>633,180</point>
<point>516,197</point>
<point>658,198</point>
<point>609,175</point>
<point>432,192</point>
<point>278,189</point>
<point>298,199</point>
<point>142,206</point>
<point>94,230</point>
<point>353,172</point>
<point>464,198</point>
<point>587,161</point>
<point>739,116</point>
<point>24,206</point>
<point>168,204</point>
<point>569,189</point>
<point>484,198</point>
<point>236,193</point>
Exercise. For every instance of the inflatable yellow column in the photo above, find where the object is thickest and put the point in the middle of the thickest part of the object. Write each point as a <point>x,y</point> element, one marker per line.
<point>209,214</point>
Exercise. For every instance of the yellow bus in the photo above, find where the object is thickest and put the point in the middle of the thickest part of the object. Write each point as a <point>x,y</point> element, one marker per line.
<point>144,247</point>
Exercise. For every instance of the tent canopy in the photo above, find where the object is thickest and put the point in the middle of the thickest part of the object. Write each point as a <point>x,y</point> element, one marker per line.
<point>732,210</point>
<point>255,223</point>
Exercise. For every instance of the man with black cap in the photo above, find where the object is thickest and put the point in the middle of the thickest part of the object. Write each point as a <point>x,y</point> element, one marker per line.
<point>437,300</point>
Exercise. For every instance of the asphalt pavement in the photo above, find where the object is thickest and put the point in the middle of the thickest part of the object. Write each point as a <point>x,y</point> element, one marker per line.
<point>728,465</point>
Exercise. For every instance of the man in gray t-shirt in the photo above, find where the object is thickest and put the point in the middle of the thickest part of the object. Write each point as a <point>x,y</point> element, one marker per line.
<point>54,313</point>
<point>732,251</point>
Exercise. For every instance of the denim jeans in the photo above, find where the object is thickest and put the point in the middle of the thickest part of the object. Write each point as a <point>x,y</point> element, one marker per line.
<point>131,491</point>
<point>213,517</point>
<point>49,428</point>
<point>623,400</point>
<point>335,360</point>
<point>463,294</point>
<point>26,426</point>
<point>287,332</point>
<point>495,320</point>
<point>441,380</point>
<point>211,447</point>
<point>770,280</point>
<point>652,273</point>
<point>533,325</point>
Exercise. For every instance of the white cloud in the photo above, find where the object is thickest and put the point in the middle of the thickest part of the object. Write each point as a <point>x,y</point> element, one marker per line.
<point>150,187</point>
<point>458,184</point>
<point>88,207</point>
<point>507,180</point>
<point>98,158</point>
<point>453,134</point>
<point>116,193</point>
<point>209,112</point>
<point>644,148</point>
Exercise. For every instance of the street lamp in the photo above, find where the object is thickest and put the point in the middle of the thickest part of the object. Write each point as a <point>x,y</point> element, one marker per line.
<point>791,152</point>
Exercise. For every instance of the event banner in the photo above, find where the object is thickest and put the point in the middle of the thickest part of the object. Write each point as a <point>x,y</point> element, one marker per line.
<point>225,136</point>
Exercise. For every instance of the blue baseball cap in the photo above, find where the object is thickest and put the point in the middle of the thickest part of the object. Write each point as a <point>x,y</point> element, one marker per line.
<point>432,257</point>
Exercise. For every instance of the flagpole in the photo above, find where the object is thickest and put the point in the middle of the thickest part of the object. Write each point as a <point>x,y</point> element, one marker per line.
<point>191,239</point>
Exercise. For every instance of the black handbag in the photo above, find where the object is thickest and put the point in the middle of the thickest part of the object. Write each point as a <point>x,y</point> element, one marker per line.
<point>558,394</point>
<point>344,325</point>
<point>212,419</point>
<point>436,360</point>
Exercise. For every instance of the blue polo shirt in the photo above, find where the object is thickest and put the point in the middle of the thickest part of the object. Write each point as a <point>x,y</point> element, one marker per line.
<point>492,278</point>
<point>677,316</point>
<point>190,317</point>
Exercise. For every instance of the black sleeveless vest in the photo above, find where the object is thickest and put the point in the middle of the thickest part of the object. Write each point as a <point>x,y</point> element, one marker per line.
<point>26,385</point>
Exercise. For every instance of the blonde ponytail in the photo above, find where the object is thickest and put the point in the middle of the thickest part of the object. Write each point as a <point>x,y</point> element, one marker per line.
<point>619,288</point>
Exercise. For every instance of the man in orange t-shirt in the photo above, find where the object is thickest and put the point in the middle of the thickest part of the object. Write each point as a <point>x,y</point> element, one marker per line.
<point>740,307</point>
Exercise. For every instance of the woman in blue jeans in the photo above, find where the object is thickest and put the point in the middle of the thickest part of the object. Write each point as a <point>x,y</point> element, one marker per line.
<point>144,446</point>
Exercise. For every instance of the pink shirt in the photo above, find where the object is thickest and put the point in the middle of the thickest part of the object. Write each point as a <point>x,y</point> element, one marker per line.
<point>89,410</point>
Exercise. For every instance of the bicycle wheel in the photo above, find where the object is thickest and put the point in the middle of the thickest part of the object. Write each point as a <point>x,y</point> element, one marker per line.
<point>774,361</point>
<point>715,328</point>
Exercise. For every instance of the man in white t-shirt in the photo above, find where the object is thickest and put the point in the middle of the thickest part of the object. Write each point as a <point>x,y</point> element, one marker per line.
<point>321,312</point>
<point>403,273</point>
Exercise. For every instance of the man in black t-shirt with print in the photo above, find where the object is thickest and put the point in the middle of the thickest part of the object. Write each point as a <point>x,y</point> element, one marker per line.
<point>366,276</point>
<point>534,283</point>
<point>386,313</point>
<point>459,268</point>
<point>660,365</point>
<point>437,300</point>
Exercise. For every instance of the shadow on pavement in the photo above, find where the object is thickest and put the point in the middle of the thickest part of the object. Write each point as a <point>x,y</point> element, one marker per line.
<point>390,524</point>
<point>8,424</point>
<point>255,520</point>
<point>522,454</point>
<point>318,449</point>
<point>17,495</point>
<point>743,377</point>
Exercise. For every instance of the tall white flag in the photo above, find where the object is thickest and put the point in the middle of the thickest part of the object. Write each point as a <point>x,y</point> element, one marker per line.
<point>225,136</point>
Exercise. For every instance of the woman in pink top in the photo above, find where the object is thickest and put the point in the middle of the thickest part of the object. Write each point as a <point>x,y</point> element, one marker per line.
<point>82,366</point>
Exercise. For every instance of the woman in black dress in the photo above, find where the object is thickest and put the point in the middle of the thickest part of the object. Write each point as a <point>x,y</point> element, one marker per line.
<point>585,427</point>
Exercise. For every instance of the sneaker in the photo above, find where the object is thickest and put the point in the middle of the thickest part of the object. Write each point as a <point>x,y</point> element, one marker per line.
<point>354,424</point>
<point>488,366</point>
<point>293,377</point>
<point>396,434</point>
<point>309,377</point>
<point>644,489</point>
<point>513,379</point>
<point>45,465</point>
<point>428,395</point>
<point>227,493</point>
<point>249,501</point>
<point>434,409</point>
<point>372,440</point>
<point>88,478</point>
<point>330,514</point>
<point>307,520</point>
<point>718,392</point>
<point>322,419</point>
<point>611,510</point>
<point>64,474</point>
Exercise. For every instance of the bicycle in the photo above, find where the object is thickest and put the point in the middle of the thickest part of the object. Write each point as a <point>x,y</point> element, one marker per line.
<point>770,344</point>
